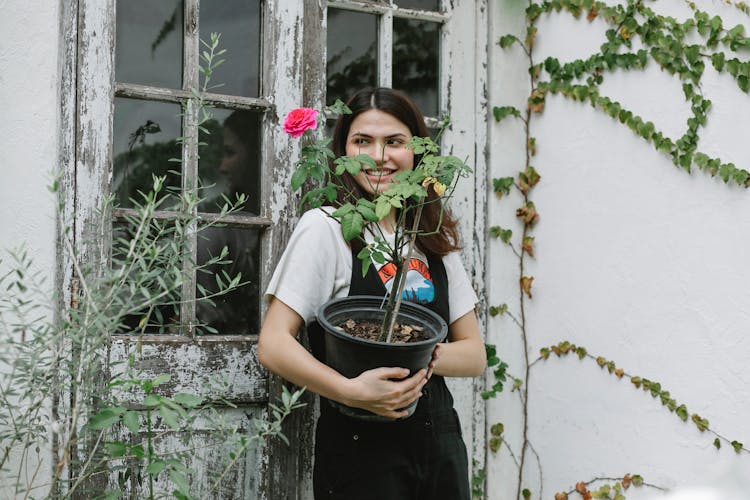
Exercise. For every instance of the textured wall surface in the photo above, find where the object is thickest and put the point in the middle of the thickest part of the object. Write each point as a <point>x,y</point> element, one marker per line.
<point>29,93</point>
<point>29,89</point>
<point>636,260</point>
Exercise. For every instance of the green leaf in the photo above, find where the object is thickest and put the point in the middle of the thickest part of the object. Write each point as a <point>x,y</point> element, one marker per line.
<point>130,419</point>
<point>298,178</point>
<point>104,419</point>
<point>152,400</point>
<point>170,417</point>
<point>154,468</point>
<point>367,209</point>
<point>180,481</point>
<point>717,443</point>
<point>160,379</point>
<point>116,449</point>
<point>343,210</point>
<point>502,185</point>
<point>363,159</point>
<point>382,207</point>
<point>501,112</point>
<point>351,225</point>
<point>718,61</point>
<point>682,412</point>
<point>187,400</point>
<point>737,446</point>
<point>507,40</point>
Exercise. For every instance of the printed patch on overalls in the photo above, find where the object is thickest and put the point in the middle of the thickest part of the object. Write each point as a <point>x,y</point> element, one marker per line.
<point>419,287</point>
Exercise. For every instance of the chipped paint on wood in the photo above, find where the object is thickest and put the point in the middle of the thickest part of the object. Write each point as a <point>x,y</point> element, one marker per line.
<point>217,368</point>
<point>207,446</point>
<point>463,83</point>
<point>282,49</point>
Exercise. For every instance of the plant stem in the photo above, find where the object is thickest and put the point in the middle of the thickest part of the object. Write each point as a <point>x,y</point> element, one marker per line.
<point>400,283</point>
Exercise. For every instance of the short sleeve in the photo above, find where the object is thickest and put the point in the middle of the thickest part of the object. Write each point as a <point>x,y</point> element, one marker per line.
<point>314,267</point>
<point>461,295</point>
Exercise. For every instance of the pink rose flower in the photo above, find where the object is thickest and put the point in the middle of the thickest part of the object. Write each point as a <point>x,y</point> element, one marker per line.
<point>300,119</point>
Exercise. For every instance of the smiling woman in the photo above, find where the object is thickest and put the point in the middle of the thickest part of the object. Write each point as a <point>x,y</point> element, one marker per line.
<point>378,415</point>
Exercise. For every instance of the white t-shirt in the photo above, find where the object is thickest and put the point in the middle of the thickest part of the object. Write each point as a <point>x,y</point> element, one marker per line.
<point>317,267</point>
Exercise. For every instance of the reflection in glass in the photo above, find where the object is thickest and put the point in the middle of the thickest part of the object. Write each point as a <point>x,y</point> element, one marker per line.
<point>149,295</point>
<point>352,53</point>
<point>432,5</point>
<point>238,22</point>
<point>229,162</point>
<point>235,312</point>
<point>145,139</point>
<point>416,50</point>
<point>149,42</point>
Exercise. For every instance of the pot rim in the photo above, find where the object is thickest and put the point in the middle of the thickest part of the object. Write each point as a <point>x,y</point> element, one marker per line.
<point>330,328</point>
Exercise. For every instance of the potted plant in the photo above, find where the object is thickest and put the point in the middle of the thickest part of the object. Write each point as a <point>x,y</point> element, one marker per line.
<point>365,332</point>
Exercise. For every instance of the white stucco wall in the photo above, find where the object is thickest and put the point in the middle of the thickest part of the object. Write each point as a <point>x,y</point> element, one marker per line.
<point>636,260</point>
<point>29,93</point>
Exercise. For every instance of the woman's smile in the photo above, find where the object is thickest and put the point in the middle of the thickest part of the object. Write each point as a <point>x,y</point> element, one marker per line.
<point>383,138</point>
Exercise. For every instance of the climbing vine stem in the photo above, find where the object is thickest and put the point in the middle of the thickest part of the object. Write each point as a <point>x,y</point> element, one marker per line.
<point>636,37</point>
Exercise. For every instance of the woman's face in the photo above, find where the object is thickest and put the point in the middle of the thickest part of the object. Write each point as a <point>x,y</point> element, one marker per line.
<point>383,137</point>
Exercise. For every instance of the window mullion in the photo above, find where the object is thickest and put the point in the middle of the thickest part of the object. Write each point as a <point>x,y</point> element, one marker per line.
<point>385,49</point>
<point>191,80</point>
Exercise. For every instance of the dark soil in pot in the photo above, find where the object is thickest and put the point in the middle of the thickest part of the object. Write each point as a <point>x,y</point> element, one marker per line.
<point>350,355</point>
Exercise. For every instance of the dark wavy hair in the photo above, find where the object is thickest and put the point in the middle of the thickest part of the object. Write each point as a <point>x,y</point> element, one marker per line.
<point>401,107</point>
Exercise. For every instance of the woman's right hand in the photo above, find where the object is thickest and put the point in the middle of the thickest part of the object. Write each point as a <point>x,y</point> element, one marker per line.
<point>375,391</point>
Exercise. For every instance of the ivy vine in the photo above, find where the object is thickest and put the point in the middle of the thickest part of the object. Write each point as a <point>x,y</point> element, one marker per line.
<point>681,48</point>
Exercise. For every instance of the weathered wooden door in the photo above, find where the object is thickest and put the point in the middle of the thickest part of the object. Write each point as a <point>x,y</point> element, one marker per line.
<point>134,68</point>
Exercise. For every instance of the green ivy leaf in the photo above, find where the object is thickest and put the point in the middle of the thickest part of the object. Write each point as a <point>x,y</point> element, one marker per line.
<point>501,112</point>
<point>718,61</point>
<point>507,40</point>
<point>737,446</point>
<point>682,412</point>
<point>502,185</point>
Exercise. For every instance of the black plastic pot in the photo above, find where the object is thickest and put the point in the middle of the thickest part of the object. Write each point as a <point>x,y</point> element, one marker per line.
<point>351,356</point>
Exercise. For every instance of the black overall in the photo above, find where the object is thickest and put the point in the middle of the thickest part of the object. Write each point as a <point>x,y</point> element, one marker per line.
<point>420,458</point>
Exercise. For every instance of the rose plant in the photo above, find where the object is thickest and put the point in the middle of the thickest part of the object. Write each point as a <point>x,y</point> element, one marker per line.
<point>319,166</point>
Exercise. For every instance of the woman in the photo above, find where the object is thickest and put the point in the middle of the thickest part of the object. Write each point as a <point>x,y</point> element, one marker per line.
<point>420,457</point>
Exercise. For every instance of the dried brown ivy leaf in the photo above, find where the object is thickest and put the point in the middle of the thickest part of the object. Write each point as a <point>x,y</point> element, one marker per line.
<point>526,285</point>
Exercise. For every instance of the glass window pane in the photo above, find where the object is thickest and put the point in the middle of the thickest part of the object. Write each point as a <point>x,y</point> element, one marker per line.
<point>145,139</point>
<point>416,62</point>
<point>352,53</point>
<point>432,5</point>
<point>238,22</point>
<point>148,296</point>
<point>235,312</point>
<point>229,162</point>
<point>149,42</point>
